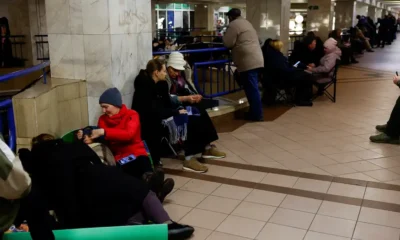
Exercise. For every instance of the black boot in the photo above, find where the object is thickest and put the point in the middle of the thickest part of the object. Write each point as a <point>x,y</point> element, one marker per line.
<point>167,188</point>
<point>178,231</point>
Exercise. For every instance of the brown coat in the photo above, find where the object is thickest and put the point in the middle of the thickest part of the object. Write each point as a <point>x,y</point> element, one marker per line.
<point>242,38</point>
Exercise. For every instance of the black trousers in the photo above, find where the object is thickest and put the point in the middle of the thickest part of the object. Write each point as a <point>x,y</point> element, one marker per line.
<point>200,133</point>
<point>347,55</point>
<point>303,82</point>
<point>393,125</point>
<point>138,167</point>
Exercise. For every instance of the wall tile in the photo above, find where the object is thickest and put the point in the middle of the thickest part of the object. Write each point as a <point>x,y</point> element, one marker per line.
<point>123,16</point>
<point>78,57</point>
<point>144,23</point>
<point>69,113</point>
<point>25,117</point>
<point>57,14</point>
<point>61,56</point>
<point>95,17</point>
<point>67,92</point>
<point>75,11</point>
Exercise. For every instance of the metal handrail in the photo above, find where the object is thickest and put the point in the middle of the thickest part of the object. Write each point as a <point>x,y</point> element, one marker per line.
<point>192,51</point>
<point>7,104</point>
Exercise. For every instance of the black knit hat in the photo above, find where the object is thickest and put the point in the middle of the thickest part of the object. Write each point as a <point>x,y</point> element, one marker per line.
<point>111,96</point>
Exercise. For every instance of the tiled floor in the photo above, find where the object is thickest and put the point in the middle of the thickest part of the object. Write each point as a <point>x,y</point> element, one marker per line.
<point>250,195</point>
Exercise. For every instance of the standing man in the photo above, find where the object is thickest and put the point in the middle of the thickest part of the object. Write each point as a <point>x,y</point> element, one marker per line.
<point>242,39</point>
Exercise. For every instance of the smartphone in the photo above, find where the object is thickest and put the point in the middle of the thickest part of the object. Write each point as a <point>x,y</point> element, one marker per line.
<point>397,74</point>
<point>296,64</point>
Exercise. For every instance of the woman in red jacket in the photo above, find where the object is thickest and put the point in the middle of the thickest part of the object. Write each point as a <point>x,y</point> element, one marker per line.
<point>120,127</point>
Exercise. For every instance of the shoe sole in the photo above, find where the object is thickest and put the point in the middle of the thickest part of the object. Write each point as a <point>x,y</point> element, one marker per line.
<point>192,170</point>
<point>215,157</point>
<point>180,235</point>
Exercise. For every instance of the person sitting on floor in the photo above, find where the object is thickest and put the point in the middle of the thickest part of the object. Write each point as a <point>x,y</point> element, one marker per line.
<point>324,71</point>
<point>390,132</point>
<point>70,179</point>
<point>345,47</point>
<point>157,113</point>
<point>120,127</point>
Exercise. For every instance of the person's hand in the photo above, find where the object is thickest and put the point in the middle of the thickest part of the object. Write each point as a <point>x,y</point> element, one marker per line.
<point>183,111</point>
<point>191,99</point>
<point>396,79</point>
<point>309,68</point>
<point>312,65</point>
<point>79,134</point>
<point>96,133</point>
<point>198,98</point>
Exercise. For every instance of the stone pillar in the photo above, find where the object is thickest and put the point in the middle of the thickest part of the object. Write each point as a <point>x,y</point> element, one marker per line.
<point>319,20</point>
<point>104,42</point>
<point>201,16</point>
<point>153,19</point>
<point>372,13</point>
<point>345,13</point>
<point>270,19</point>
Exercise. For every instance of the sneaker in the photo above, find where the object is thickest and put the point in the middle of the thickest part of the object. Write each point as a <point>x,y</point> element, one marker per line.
<point>167,188</point>
<point>178,231</point>
<point>194,166</point>
<point>213,152</point>
<point>381,128</point>
<point>383,138</point>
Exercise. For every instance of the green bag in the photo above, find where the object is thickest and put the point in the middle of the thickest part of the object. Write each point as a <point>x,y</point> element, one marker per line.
<point>138,232</point>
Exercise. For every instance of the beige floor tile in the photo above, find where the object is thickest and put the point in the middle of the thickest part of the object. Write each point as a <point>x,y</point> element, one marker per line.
<point>176,212</point>
<point>359,176</point>
<point>338,169</point>
<point>281,156</point>
<point>320,161</point>
<point>394,169</point>
<point>179,181</point>
<point>200,234</point>
<point>333,226</point>
<point>204,219</point>
<point>254,211</point>
<point>329,150</point>
<point>389,162</point>
<point>250,176</point>
<point>242,227</point>
<point>312,185</point>
<point>322,236</point>
<point>278,232</point>
<point>382,195</point>
<point>280,180</point>
<point>366,231</point>
<point>344,157</point>
<point>265,197</point>
<point>225,172</point>
<point>295,164</point>
<point>200,186</point>
<point>346,190</point>
<point>362,166</point>
<point>314,170</point>
<point>224,236</point>
<point>292,218</point>
<point>269,164</point>
<point>185,198</point>
<point>339,210</point>
<point>368,154</point>
<point>301,204</point>
<point>395,182</point>
<point>219,204</point>
<point>383,175</point>
<point>232,192</point>
<point>387,152</point>
<point>380,217</point>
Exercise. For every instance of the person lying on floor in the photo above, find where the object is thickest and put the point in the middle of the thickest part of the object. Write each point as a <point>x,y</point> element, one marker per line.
<point>70,179</point>
<point>390,132</point>
<point>15,183</point>
<point>184,93</point>
<point>120,127</point>
<point>157,113</point>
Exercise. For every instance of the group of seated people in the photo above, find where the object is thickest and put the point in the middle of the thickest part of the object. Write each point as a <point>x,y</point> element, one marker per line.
<point>111,174</point>
<point>312,64</point>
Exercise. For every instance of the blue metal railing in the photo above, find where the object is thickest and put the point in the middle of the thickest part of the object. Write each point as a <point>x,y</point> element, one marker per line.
<point>7,103</point>
<point>212,78</point>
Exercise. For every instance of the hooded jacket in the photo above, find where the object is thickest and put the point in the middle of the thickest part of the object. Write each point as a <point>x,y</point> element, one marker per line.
<point>324,71</point>
<point>123,133</point>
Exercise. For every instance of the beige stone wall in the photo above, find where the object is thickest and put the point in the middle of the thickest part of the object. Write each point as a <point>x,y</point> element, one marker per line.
<point>55,108</point>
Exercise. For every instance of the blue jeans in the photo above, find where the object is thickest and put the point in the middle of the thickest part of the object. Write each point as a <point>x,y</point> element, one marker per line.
<point>250,83</point>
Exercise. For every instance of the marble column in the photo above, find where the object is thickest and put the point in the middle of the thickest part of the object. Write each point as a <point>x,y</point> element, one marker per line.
<point>345,13</point>
<point>319,20</point>
<point>104,42</point>
<point>270,19</point>
<point>201,16</point>
<point>372,13</point>
<point>38,26</point>
<point>153,19</point>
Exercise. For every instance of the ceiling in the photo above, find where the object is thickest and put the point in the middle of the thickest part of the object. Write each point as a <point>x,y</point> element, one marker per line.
<point>392,3</point>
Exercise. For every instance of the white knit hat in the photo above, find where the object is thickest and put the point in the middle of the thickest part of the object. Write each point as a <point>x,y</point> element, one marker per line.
<point>176,61</point>
<point>330,44</point>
